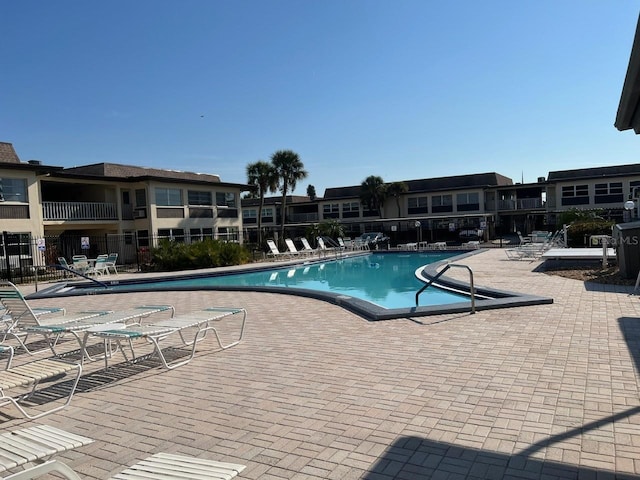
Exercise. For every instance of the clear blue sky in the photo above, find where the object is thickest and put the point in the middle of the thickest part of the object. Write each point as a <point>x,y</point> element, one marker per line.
<point>397,88</point>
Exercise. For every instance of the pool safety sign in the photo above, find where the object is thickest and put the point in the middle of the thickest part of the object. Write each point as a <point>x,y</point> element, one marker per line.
<point>41,244</point>
<point>84,243</point>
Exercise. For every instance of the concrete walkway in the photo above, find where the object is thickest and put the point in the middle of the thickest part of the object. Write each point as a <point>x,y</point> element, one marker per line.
<point>314,391</point>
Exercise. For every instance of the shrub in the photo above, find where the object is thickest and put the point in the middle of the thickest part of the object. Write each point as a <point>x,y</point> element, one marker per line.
<point>170,255</point>
<point>580,231</point>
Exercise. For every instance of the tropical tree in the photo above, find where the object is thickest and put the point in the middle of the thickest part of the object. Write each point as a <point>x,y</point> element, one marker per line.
<point>311,192</point>
<point>289,169</point>
<point>263,178</point>
<point>332,228</point>
<point>373,193</point>
<point>396,190</point>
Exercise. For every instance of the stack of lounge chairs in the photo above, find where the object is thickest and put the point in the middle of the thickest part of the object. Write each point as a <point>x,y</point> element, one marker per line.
<point>532,248</point>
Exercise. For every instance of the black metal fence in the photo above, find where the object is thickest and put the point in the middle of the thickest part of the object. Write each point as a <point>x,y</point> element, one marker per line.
<point>24,258</point>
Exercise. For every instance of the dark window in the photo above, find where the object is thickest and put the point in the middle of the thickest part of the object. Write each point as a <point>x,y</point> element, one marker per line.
<point>199,198</point>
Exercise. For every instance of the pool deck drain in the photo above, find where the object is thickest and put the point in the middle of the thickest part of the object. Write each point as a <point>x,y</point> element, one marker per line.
<point>315,392</point>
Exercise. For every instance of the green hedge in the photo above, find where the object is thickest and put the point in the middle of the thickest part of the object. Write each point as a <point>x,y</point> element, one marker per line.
<point>578,231</point>
<point>171,256</point>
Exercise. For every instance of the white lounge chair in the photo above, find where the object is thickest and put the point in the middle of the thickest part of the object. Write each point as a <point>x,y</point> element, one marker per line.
<point>274,252</point>
<point>34,445</point>
<point>198,324</point>
<point>30,375</point>
<point>82,328</point>
<point>306,248</point>
<point>293,251</point>
<point>324,249</point>
<point>9,351</point>
<point>20,315</point>
<point>163,466</point>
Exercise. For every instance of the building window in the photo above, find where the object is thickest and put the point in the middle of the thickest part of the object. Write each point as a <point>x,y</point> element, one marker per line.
<point>634,189</point>
<point>173,234</point>
<point>250,216</point>
<point>609,192</point>
<point>168,197</point>
<point>199,234</point>
<point>229,234</point>
<point>143,238</point>
<point>351,210</point>
<point>195,197</point>
<point>575,195</point>
<point>141,197</point>
<point>17,244</point>
<point>226,199</point>
<point>417,205</point>
<point>331,210</point>
<point>13,190</point>
<point>466,202</point>
<point>442,203</point>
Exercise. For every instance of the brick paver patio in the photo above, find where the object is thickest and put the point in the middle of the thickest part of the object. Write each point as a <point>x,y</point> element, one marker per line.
<point>314,391</point>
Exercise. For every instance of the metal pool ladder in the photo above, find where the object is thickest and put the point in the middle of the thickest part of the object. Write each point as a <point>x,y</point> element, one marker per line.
<point>472,289</point>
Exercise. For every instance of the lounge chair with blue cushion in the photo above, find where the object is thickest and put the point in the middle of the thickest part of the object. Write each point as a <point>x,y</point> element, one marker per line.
<point>19,315</point>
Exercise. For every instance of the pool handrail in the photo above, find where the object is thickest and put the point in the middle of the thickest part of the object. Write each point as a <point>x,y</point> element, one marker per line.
<point>472,291</point>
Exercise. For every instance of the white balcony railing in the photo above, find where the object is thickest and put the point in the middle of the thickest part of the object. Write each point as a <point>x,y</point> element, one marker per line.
<point>79,211</point>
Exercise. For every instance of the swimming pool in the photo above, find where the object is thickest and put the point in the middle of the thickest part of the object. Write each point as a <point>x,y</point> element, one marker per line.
<point>377,285</point>
<point>384,279</point>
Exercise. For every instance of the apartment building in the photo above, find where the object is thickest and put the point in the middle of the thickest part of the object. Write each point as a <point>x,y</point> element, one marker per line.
<point>129,207</point>
<point>439,209</point>
<point>136,206</point>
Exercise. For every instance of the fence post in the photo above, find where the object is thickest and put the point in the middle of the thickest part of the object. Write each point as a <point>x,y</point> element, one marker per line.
<point>5,244</point>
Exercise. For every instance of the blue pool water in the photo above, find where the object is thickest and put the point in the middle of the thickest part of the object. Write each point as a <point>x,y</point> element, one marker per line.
<point>384,279</point>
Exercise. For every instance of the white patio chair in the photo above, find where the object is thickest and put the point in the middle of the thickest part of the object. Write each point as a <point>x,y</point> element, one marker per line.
<point>100,267</point>
<point>111,262</point>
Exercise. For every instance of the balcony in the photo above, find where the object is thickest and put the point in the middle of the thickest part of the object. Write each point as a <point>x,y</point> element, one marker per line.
<point>79,211</point>
<point>302,217</point>
<point>521,204</point>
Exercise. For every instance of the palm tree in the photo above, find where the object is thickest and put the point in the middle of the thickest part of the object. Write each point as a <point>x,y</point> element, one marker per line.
<point>263,178</point>
<point>311,192</point>
<point>373,193</point>
<point>396,190</point>
<point>332,228</point>
<point>289,169</point>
